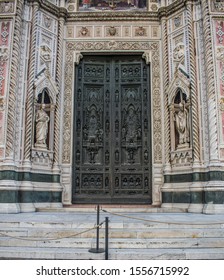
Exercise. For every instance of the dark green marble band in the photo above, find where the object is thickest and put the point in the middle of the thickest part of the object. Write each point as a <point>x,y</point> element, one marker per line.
<point>28,176</point>
<point>203,197</point>
<point>195,177</point>
<point>30,196</point>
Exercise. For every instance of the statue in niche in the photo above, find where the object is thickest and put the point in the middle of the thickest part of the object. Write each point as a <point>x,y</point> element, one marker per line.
<point>182,124</point>
<point>42,120</point>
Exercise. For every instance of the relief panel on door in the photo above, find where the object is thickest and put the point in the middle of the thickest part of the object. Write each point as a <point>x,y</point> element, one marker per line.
<point>112,139</point>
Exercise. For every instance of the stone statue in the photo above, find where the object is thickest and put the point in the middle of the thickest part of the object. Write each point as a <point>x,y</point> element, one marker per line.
<point>42,120</point>
<point>182,124</point>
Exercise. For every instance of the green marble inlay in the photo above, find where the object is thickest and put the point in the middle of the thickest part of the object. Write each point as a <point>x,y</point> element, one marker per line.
<point>195,177</point>
<point>29,196</point>
<point>8,196</point>
<point>28,176</point>
<point>203,197</point>
<point>214,197</point>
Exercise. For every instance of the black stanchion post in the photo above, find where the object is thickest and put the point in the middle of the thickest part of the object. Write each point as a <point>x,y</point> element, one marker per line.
<point>98,228</point>
<point>106,238</point>
<point>97,249</point>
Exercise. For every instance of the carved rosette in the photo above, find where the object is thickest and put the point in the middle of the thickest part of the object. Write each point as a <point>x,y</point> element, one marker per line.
<point>91,46</point>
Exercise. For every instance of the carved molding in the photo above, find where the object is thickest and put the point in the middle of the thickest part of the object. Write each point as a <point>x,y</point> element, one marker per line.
<point>74,49</point>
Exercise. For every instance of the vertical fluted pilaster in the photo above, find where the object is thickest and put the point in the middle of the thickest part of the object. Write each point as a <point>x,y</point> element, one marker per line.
<point>165,86</point>
<point>59,84</point>
<point>210,76</point>
<point>31,77</point>
<point>194,90</point>
<point>13,85</point>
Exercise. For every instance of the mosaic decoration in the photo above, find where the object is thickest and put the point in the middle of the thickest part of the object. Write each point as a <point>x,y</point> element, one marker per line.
<point>85,5</point>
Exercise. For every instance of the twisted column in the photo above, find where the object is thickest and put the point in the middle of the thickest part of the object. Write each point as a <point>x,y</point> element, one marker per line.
<point>13,85</point>
<point>31,77</point>
<point>210,76</point>
<point>194,91</point>
<point>165,86</point>
<point>59,84</point>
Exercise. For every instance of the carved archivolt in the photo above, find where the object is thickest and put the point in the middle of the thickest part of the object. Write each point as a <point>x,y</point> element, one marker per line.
<point>73,52</point>
<point>45,81</point>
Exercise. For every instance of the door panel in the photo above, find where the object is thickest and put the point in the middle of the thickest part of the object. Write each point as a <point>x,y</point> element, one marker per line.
<point>112,138</point>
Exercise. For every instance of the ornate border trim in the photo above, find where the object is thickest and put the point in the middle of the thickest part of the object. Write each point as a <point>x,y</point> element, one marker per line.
<point>73,49</point>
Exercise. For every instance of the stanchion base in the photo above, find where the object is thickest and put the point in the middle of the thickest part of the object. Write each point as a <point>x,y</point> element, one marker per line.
<point>96,251</point>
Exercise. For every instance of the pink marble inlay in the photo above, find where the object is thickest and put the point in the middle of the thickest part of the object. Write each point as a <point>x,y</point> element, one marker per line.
<point>223,126</point>
<point>219,33</point>
<point>3,71</point>
<point>5,31</point>
<point>1,127</point>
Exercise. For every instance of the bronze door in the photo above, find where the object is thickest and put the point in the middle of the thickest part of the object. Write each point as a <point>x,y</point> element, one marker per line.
<point>112,131</point>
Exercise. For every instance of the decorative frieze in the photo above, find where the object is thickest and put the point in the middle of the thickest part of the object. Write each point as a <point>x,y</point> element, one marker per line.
<point>118,30</point>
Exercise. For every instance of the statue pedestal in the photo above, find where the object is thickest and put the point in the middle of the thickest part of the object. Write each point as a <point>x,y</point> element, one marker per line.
<point>184,146</point>
<point>41,146</point>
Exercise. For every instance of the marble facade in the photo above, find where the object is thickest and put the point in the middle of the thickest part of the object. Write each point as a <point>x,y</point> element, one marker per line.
<point>41,42</point>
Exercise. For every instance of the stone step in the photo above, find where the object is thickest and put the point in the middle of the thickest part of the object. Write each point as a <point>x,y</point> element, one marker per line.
<point>114,233</point>
<point>114,254</point>
<point>114,208</point>
<point>113,224</point>
<point>117,243</point>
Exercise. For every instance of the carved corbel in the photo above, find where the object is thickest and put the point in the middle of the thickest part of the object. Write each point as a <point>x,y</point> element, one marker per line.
<point>147,56</point>
<point>77,57</point>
